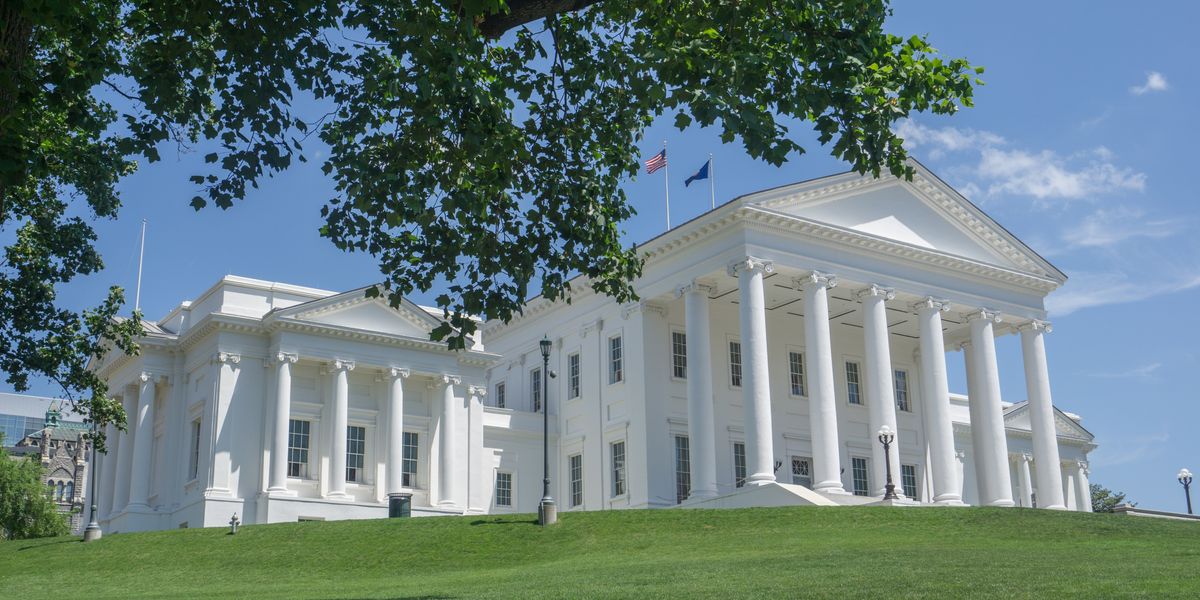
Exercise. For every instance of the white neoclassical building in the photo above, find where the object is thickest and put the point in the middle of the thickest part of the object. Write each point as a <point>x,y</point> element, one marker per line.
<point>776,334</point>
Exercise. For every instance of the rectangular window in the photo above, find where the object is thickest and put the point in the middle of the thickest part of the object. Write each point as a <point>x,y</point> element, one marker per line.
<point>618,468</point>
<point>576,464</point>
<point>298,445</point>
<point>616,360</point>
<point>901,380</point>
<point>683,469</point>
<point>908,480</point>
<point>356,452</point>
<point>408,466</point>
<point>739,464</point>
<point>858,468</point>
<point>573,376</point>
<point>500,390</point>
<point>853,383</point>
<point>535,390</point>
<point>735,364</point>
<point>503,489</point>
<point>194,459</point>
<point>802,471</point>
<point>678,355</point>
<point>796,373</point>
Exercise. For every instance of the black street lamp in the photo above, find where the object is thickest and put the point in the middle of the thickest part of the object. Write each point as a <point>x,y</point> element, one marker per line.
<point>92,532</point>
<point>1185,478</point>
<point>547,511</point>
<point>886,437</point>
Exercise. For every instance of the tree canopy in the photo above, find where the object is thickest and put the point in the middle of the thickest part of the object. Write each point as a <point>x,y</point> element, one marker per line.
<point>476,145</point>
<point>26,510</point>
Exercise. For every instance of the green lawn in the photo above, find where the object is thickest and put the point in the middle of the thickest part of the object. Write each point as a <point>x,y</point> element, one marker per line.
<point>768,552</point>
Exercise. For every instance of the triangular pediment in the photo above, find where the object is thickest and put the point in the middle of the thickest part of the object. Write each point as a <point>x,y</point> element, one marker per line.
<point>924,213</point>
<point>1017,417</point>
<point>354,310</point>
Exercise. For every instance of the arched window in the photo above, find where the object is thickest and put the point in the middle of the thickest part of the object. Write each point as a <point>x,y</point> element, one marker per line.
<point>50,489</point>
<point>69,492</point>
<point>59,497</point>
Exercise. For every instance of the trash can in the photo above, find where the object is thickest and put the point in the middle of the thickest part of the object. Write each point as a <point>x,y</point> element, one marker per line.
<point>399,505</point>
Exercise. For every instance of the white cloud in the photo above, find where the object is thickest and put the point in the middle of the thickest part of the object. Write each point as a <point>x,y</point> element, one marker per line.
<point>1155,82</point>
<point>1087,290</point>
<point>1040,174</point>
<point>1142,372</point>
<point>1110,226</point>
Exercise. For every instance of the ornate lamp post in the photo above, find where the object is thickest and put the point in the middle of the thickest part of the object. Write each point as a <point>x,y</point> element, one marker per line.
<point>1185,479</point>
<point>886,437</point>
<point>92,532</point>
<point>547,511</point>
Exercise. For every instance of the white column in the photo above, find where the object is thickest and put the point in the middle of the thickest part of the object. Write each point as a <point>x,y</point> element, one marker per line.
<point>1083,489</point>
<point>1026,480</point>
<point>395,435</point>
<point>448,473</point>
<point>756,382</point>
<point>822,403</point>
<point>701,418</point>
<point>1041,415</point>
<point>995,474</point>
<point>479,478</point>
<point>979,435</point>
<point>960,465</point>
<point>283,415</point>
<point>222,430</point>
<point>938,430</point>
<point>881,396</point>
<point>143,421</point>
<point>108,472</point>
<point>341,412</point>
<point>125,456</point>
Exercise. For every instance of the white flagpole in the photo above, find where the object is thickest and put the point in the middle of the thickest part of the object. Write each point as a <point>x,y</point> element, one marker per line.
<point>667,183</point>
<point>137,297</point>
<point>712,182</point>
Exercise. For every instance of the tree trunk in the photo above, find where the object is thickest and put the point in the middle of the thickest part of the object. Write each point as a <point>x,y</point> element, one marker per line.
<point>16,32</point>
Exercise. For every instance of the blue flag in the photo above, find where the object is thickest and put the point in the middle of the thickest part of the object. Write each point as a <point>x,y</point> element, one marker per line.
<point>701,174</point>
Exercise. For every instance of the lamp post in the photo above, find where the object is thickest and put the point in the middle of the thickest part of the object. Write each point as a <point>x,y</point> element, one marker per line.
<point>1185,478</point>
<point>92,532</point>
<point>547,511</point>
<point>886,437</point>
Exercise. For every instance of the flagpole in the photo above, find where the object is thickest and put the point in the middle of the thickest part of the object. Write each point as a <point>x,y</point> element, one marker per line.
<point>667,183</point>
<point>137,297</point>
<point>712,182</point>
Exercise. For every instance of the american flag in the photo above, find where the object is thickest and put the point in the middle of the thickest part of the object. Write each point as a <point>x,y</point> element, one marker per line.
<point>656,162</point>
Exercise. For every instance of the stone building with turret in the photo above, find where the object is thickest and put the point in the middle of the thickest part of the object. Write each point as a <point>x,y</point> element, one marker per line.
<point>63,449</point>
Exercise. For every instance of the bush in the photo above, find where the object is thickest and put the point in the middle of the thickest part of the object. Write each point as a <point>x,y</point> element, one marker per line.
<point>25,510</point>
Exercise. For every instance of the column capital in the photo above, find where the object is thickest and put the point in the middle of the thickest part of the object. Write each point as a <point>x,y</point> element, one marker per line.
<point>695,285</point>
<point>286,357</point>
<point>228,358</point>
<point>478,390</point>
<point>962,346</point>
<point>447,379</point>
<point>643,306</point>
<point>1036,325</point>
<point>144,376</point>
<point>1026,457</point>
<point>400,372</point>
<point>985,314</point>
<point>1083,467</point>
<point>343,365</point>
<point>749,264</point>
<point>929,302</point>
<point>825,280</point>
<point>960,455</point>
<point>876,290</point>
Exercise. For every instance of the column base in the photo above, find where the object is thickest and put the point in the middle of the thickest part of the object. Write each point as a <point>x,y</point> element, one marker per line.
<point>1055,507</point>
<point>1002,503</point>
<point>949,502</point>
<point>758,479</point>
<point>448,504</point>
<point>277,492</point>
<point>138,507</point>
<point>702,495</point>
<point>337,496</point>
<point>830,488</point>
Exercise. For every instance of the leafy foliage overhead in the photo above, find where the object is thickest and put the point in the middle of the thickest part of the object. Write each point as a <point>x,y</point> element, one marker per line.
<point>476,144</point>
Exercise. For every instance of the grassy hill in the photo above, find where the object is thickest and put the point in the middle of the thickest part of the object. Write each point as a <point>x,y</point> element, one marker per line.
<point>777,552</point>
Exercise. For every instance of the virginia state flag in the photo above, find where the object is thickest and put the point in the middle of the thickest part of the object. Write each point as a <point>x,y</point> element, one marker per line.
<point>701,174</point>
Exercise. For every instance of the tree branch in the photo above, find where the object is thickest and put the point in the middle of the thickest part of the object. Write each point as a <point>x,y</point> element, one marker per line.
<point>521,12</point>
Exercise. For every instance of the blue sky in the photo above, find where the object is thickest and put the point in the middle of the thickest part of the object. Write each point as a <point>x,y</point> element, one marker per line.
<point>1080,144</point>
